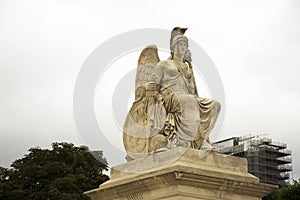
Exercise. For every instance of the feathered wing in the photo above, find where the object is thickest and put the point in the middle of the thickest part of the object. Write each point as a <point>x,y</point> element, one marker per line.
<point>136,133</point>
<point>146,66</point>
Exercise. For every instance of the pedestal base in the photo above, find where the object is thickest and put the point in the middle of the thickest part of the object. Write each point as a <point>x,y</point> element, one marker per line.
<point>181,174</point>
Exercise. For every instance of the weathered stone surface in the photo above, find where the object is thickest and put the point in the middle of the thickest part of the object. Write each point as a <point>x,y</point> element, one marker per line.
<point>183,176</point>
<point>167,111</point>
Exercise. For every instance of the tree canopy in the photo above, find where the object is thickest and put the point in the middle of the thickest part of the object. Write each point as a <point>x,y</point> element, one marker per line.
<point>64,172</point>
<point>291,192</point>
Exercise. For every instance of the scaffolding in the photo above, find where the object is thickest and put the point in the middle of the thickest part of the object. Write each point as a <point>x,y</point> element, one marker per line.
<point>267,159</point>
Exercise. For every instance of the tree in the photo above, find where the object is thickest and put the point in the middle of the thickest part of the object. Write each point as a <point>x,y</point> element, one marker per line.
<point>64,172</point>
<point>291,192</point>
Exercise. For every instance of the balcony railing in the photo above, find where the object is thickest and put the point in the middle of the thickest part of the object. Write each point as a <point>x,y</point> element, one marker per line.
<point>285,159</point>
<point>285,167</point>
<point>285,175</point>
<point>279,144</point>
<point>285,151</point>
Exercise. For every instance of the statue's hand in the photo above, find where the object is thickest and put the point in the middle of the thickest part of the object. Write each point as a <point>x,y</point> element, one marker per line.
<point>188,56</point>
<point>152,90</point>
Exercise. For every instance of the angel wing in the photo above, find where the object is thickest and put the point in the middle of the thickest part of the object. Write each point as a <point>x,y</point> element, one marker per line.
<point>137,128</point>
<point>146,66</point>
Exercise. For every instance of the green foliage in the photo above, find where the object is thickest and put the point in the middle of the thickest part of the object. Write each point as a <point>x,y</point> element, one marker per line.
<point>291,192</point>
<point>64,172</point>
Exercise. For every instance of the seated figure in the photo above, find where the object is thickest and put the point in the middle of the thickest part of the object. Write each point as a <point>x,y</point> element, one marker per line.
<point>167,111</point>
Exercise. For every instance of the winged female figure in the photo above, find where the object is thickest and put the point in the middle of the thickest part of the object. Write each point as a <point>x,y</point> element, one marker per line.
<point>167,111</point>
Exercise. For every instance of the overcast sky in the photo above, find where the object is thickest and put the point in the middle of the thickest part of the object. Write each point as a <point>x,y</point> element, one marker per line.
<point>255,46</point>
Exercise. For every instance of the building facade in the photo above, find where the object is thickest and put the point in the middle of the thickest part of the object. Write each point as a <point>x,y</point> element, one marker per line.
<point>268,160</point>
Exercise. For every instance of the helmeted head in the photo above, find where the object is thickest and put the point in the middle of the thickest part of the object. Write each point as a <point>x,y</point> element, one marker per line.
<point>178,42</point>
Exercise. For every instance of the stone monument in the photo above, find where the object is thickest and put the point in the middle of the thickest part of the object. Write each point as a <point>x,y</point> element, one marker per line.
<point>167,111</point>
<point>166,136</point>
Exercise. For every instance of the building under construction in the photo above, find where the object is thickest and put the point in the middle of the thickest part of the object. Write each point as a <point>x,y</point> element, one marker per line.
<point>268,160</point>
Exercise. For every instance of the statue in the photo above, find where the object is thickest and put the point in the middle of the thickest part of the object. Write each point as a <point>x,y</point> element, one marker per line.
<point>167,111</point>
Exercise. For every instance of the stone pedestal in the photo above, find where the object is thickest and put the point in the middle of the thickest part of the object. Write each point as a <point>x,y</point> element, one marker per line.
<point>182,174</point>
